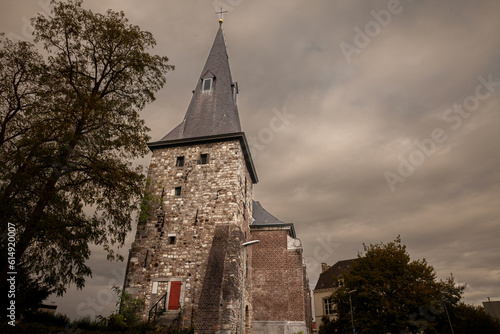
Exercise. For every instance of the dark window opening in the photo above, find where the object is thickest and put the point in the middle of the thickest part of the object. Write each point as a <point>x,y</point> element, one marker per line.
<point>234,87</point>
<point>146,258</point>
<point>171,240</point>
<point>179,162</point>
<point>203,158</point>
<point>177,191</point>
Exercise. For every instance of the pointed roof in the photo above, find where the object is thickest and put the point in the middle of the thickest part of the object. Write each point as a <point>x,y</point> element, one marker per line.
<point>214,112</point>
<point>212,115</point>
<point>263,219</point>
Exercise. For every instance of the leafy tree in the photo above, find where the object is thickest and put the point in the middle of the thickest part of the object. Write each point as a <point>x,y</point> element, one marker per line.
<point>466,319</point>
<point>69,128</point>
<point>390,293</point>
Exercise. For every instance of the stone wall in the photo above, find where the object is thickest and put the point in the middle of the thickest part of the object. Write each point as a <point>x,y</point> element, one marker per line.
<point>194,230</point>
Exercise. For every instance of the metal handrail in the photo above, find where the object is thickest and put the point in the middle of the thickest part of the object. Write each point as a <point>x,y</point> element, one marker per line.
<point>155,307</point>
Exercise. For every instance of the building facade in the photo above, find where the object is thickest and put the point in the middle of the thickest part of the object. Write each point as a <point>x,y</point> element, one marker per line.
<point>492,308</point>
<point>330,279</point>
<point>280,286</point>
<point>189,255</point>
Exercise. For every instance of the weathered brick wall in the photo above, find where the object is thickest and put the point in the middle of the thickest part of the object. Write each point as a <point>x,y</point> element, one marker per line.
<point>307,299</point>
<point>295,285</point>
<point>215,194</point>
<point>278,278</point>
<point>269,268</point>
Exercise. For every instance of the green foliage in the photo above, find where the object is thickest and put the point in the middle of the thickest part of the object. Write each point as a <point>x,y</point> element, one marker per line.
<point>30,293</point>
<point>466,319</point>
<point>43,322</point>
<point>128,308</point>
<point>148,201</point>
<point>69,125</point>
<point>47,318</point>
<point>329,326</point>
<point>189,330</point>
<point>390,293</point>
<point>87,324</point>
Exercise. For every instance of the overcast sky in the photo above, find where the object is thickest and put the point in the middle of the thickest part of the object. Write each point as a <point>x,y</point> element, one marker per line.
<point>367,120</point>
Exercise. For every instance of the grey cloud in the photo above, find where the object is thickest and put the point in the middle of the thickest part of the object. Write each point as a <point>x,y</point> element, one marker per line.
<point>324,170</point>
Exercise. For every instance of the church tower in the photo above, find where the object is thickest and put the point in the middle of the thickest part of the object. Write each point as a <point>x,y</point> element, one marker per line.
<point>187,256</point>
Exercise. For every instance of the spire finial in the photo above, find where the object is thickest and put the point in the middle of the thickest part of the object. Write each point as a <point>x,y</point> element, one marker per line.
<point>220,15</point>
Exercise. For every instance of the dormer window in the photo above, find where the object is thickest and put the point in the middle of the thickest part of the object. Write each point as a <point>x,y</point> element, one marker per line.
<point>207,84</point>
<point>207,81</point>
<point>234,87</point>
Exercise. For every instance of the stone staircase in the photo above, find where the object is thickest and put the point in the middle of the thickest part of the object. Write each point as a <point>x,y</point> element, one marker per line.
<point>168,318</point>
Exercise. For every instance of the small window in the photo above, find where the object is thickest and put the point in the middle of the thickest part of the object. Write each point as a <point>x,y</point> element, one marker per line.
<point>155,288</point>
<point>179,162</point>
<point>146,258</point>
<point>234,87</point>
<point>327,306</point>
<point>177,191</point>
<point>207,84</point>
<point>171,240</point>
<point>203,159</point>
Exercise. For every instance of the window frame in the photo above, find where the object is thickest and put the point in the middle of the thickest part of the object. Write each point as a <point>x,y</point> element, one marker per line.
<point>327,306</point>
<point>202,161</point>
<point>203,84</point>
<point>179,162</point>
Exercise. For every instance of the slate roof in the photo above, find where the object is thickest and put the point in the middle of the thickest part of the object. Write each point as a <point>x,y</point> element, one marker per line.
<point>262,217</point>
<point>211,113</point>
<point>329,278</point>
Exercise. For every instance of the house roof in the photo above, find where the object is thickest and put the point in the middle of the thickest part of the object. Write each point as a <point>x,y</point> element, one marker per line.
<point>211,113</point>
<point>262,219</point>
<point>329,278</point>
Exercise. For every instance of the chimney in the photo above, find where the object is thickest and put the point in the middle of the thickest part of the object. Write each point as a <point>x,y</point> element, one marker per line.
<point>324,267</point>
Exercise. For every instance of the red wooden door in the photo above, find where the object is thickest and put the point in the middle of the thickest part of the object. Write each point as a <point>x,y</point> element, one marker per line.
<point>175,294</point>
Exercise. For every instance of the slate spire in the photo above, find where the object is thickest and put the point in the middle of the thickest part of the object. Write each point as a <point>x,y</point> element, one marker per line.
<point>213,109</point>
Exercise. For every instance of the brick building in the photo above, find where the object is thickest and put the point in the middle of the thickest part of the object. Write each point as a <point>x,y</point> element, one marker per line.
<point>191,255</point>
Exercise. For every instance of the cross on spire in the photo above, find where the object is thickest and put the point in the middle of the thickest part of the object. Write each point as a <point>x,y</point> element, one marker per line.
<point>221,12</point>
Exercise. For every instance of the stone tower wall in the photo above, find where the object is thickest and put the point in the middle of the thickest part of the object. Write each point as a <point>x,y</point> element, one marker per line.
<point>195,236</point>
